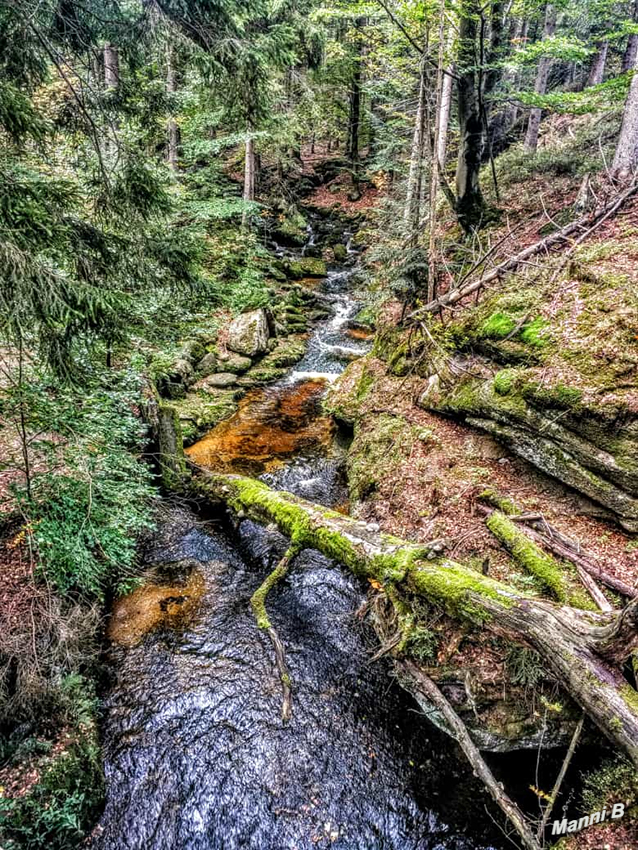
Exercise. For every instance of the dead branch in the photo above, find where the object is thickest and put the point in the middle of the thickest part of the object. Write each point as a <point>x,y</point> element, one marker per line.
<point>590,222</point>
<point>258,603</point>
<point>511,811</point>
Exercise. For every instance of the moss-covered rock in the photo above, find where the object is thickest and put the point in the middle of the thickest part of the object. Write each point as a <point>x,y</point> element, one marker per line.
<point>340,252</point>
<point>248,334</point>
<point>291,230</point>
<point>553,373</point>
<point>306,267</point>
<point>554,431</point>
<point>171,447</point>
<point>345,396</point>
<point>235,363</point>
<point>200,411</point>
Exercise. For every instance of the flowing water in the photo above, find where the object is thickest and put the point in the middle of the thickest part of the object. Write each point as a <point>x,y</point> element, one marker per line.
<point>196,754</point>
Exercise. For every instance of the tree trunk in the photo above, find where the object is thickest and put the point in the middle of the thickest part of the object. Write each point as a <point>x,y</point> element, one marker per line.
<point>597,69</point>
<point>495,53</point>
<point>540,86</point>
<point>411,213</point>
<point>111,66</point>
<point>172,129</point>
<point>631,51</point>
<point>249,172</point>
<point>470,204</point>
<point>512,111</point>
<point>626,156</point>
<point>444,116</point>
<point>434,169</point>
<point>584,650</point>
<point>354,122</point>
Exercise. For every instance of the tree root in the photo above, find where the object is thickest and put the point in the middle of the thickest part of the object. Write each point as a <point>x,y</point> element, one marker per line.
<point>258,604</point>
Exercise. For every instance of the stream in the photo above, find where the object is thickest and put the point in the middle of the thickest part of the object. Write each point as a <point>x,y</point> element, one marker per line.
<point>196,754</point>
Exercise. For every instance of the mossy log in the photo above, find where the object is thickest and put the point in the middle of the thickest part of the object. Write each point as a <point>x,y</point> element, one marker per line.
<point>583,650</point>
<point>549,572</point>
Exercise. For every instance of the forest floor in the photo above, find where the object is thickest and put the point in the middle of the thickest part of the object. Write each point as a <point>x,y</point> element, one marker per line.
<point>424,473</point>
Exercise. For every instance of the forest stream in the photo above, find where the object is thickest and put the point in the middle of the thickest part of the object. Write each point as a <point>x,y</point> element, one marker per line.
<point>196,752</point>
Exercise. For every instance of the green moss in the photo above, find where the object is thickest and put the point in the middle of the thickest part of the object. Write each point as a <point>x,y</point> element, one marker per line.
<point>306,267</point>
<point>364,385</point>
<point>505,381</point>
<point>498,325</point>
<point>378,446</point>
<point>454,587</point>
<point>559,396</point>
<point>171,447</point>
<point>201,411</point>
<point>615,779</point>
<point>535,333</point>
<point>502,503</point>
<point>258,599</point>
<point>630,696</point>
<point>420,643</point>
<point>451,585</point>
<point>528,554</point>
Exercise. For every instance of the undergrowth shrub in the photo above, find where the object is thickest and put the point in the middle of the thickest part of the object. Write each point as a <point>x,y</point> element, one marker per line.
<point>615,780</point>
<point>58,810</point>
<point>89,495</point>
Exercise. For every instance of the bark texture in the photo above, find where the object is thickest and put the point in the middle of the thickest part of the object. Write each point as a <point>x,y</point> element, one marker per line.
<point>597,69</point>
<point>470,204</point>
<point>540,85</point>
<point>631,51</point>
<point>626,156</point>
<point>111,66</point>
<point>411,213</point>
<point>444,116</point>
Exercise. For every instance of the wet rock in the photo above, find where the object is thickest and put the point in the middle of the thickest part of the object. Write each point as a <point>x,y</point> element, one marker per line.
<point>154,606</point>
<point>179,376</point>
<point>199,411</point>
<point>340,253</point>
<point>306,267</point>
<point>248,334</point>
<point>291,231</point>
<point>193,350</point>
<point>342,352</point>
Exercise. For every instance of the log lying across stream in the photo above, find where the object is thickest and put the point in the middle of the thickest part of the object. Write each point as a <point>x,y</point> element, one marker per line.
<point>583,650</point>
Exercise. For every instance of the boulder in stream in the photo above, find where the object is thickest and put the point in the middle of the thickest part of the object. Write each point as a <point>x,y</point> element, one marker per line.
<point>248,334</point>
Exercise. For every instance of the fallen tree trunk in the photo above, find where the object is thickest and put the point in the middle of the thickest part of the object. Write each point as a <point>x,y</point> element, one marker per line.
<point>587,223</point>
<point>518,540</point>
<point>583,650</point>
<point>552,539</point>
